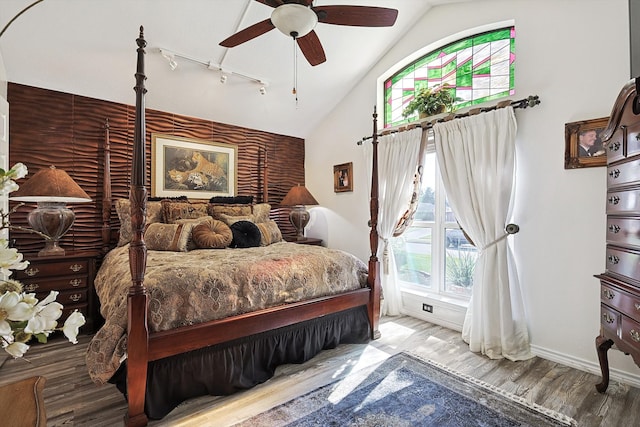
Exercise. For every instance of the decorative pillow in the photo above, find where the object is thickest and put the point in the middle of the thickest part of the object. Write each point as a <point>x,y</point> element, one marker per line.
<point>168,237</point>
<point>212,234</point>
<point>159,199</point>
<point>173,211</point>
<point>123,209</point>
<point>233,200</point>
<point>269,233</point>
<point>231,219</point>
<point>191,244</point>
<point>261,212</point>
<point>232,210</point>
<point>245,235</point>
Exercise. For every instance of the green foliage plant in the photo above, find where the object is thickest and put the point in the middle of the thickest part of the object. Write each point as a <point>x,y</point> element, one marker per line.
<point>432,100</point>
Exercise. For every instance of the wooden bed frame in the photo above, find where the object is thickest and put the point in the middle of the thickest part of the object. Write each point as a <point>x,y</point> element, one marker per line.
<point>145,346</point>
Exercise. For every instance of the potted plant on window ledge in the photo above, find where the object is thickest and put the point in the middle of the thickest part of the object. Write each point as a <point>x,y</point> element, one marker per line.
<point>430,101</point>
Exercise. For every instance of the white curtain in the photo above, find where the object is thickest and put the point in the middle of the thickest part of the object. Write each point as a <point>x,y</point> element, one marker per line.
<point>398,158</point>
<point>476,156</point>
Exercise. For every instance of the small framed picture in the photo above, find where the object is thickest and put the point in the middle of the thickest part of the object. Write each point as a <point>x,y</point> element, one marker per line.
<point>583,144</point>
<point>343,177</point>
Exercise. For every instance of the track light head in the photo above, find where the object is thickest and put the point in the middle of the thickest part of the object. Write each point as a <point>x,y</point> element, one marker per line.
<point>169,56</point>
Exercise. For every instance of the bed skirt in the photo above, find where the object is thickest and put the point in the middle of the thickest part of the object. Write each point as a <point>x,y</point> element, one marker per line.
<point>243,363</point>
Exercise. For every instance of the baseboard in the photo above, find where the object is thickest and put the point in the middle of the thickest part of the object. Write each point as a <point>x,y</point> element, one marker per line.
<point>585,365</point>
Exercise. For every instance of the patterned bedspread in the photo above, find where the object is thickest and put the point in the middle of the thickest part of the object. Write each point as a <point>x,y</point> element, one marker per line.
<point>186,288</point>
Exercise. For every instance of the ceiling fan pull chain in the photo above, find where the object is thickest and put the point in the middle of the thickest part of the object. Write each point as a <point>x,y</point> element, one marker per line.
<point>295,70</point>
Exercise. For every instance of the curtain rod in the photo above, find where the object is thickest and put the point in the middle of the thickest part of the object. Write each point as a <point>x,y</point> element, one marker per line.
<point>530,101</point>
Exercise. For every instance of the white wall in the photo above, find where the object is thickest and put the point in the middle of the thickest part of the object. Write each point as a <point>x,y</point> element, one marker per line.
<point>574,54</point>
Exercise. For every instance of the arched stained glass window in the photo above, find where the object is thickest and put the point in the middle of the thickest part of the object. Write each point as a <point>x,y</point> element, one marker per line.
<point>479,68</point>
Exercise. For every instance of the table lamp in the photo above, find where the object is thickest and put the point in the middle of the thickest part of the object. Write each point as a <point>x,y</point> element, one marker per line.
<point>297,197</point>
<point>52,189</point>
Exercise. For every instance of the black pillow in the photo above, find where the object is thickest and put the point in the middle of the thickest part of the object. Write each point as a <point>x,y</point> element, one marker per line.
<point>245,235</point>
<point>158,199</point>
<point>237,200</point>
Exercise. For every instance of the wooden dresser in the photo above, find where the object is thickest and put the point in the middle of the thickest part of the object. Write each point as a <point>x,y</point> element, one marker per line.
<point>72,276</point>
<point>620,283</point>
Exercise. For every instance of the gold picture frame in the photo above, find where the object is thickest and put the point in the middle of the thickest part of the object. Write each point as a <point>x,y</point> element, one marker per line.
<point>576,155</point>
<point>343,177</point>
<point>192,167</point>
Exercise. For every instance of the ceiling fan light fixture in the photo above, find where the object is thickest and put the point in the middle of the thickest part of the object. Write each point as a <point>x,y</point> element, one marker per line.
<point>294,20</point>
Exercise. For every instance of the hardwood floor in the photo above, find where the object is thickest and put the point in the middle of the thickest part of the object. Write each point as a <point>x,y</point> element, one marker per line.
<point>71,399</point>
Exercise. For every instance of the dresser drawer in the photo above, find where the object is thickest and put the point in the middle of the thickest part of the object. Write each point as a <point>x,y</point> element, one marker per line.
<point>622,262</point>
<point>632,139</point>
<point>623,231</point>
<point>624,302</point>
<point>55,284</point>
<point>616,146</point>
<point>623,173</point>
<point>621,202</point>
<point>610,320</point>
<point>72,297</point>
<point>630,332</point>
<point>58,268</point>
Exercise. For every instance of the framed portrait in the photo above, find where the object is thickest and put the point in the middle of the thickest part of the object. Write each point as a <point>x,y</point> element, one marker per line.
<point>191,167</point>
<point>583,144</point>
<point>343,177</point>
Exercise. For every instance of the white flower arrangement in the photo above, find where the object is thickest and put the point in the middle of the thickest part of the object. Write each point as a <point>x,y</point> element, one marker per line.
<point>22,316</point>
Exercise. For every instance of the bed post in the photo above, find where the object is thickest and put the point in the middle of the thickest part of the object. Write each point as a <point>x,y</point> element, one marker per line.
<point>106,192</point>
<point>373,278</point>
<point>138,333</point>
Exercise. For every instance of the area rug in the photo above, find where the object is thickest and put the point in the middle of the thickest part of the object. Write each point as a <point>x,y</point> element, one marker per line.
<point>406,390</point>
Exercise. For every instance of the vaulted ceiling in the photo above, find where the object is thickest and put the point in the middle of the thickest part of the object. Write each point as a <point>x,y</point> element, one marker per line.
<point>87,47</point>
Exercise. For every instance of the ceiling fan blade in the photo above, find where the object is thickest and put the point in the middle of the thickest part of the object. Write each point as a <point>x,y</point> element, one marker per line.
<point>312,48</point>
<point>356,16</point>
<point>272,3</point>
<point>248,33</point>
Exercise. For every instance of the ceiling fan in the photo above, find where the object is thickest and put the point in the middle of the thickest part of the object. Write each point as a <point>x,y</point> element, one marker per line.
<point>298,18</point>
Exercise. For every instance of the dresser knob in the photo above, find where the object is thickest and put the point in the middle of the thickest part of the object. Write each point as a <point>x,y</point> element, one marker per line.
<point>31,287</point>
<point>76,267</point>
<point>614,146</point>
<point>608,294</point>
<point>614,200</point>
<point>607,318</point>
<point>613,259</point>
<point>32,272</point>
<point>614,173</point>
<point>75,282</point>
<point>635,335</point>
<point>614,228</point>
<point>75,297</point>
<point>637,306</point>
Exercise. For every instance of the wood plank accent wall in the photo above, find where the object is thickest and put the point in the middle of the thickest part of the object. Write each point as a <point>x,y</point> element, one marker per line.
<point>54,128</point>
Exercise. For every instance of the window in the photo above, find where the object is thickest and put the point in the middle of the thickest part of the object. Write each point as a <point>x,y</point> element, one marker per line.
<point>433,255</point>
<point>479,68</point>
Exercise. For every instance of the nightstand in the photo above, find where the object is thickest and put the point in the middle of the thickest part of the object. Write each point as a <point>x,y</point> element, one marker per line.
<point>71,275</point>
<point>307,241</point>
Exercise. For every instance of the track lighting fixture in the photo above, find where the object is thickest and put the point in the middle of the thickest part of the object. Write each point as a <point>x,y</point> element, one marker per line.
<point>224,73</point>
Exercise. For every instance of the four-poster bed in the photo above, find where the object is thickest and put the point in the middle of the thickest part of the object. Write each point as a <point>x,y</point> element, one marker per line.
<point>157,367</point>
